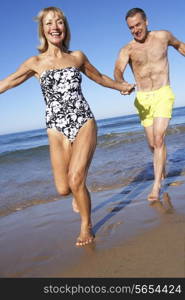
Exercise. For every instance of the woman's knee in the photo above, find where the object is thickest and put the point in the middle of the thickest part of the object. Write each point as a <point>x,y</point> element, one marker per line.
<point>63,191</point>
<point>76,181</point>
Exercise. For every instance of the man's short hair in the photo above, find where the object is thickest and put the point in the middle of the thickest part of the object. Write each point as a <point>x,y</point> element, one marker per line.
<point>132,12</point>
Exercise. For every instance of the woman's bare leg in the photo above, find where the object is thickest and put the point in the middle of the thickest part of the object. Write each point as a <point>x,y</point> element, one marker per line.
<point>60,155</point>
<point>82,152</point>
<point>70,163</point>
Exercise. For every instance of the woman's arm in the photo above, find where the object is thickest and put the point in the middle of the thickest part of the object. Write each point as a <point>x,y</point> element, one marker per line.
<point>90,71</point>
<point>23,73</point>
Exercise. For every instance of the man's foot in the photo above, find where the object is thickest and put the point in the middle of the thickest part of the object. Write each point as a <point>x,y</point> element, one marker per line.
<point>86,237</point>
<point>153,198</point>
<point>154,195</point>
<point>75,206</point>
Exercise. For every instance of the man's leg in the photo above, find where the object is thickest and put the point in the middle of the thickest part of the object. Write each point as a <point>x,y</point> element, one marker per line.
<point>159,130</point>
<point>149,132</point>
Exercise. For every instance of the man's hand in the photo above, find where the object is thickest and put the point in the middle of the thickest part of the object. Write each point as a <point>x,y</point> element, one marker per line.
<point>128,88</point>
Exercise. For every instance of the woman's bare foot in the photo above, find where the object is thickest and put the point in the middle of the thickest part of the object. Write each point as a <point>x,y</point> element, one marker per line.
<point>86,237</point>
<point>75,206</point>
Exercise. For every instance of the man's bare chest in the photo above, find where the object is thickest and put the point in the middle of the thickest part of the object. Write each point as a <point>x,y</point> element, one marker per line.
<point>148,54</point>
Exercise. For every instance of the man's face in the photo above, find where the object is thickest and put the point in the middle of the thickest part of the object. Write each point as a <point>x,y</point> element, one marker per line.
<point>138,27</point>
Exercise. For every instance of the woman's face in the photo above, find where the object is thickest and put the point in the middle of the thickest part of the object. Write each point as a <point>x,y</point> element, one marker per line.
<point>54,28</point>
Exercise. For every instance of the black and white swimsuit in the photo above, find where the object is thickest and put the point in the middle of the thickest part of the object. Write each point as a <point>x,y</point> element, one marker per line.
<point>66,108</point>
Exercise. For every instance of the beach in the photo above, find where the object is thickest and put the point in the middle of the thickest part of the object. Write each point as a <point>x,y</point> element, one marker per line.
<point>157,252</point>
<point>133,237</point>
<point>132,240</point>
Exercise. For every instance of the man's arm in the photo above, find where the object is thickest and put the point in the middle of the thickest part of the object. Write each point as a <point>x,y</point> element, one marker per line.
<point>120,64</point>
<point>174,42</point>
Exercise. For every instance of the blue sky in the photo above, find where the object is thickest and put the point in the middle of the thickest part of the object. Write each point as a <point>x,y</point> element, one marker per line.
<point>99,30</point>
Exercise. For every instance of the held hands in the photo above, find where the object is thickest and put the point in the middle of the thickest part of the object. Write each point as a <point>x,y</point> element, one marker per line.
<point>127,88</point>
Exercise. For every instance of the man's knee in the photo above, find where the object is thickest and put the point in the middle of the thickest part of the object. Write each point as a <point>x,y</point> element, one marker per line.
<point>151,145</point>
<point>158,141</point>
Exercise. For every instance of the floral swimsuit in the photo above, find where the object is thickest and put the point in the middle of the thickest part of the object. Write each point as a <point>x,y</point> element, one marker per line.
<point>66,108</point>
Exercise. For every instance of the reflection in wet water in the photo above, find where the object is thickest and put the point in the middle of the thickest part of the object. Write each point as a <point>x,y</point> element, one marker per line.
<point>165,205</point>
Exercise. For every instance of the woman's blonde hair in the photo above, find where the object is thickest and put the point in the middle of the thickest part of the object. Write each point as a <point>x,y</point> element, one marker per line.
<point>43,42</point>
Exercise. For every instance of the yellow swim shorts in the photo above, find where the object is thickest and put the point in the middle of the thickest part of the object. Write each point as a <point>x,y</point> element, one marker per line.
<point>152,104</point>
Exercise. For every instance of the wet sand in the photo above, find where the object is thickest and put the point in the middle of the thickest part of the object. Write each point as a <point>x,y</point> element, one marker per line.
<point>133,237</point>
<point>155,254</point>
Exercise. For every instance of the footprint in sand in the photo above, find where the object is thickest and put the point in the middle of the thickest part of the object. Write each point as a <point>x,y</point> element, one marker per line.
<point>111,227</point>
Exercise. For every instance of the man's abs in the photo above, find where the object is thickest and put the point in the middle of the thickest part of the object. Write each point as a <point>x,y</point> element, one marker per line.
<point>152,80</point>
